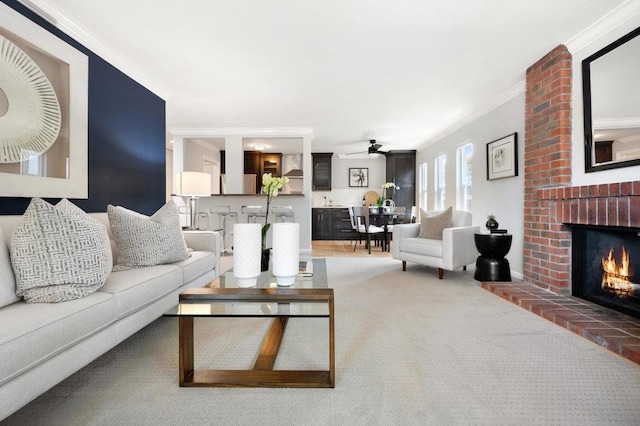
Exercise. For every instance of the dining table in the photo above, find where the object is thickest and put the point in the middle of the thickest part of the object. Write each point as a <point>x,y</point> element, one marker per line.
<point>383,220</point>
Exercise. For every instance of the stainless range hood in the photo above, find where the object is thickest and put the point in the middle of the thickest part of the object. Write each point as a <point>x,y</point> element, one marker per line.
<point>294,174</point>
<point>292,163</point>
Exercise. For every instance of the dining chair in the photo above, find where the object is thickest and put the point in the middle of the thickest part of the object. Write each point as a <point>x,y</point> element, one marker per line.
<point>363,226</point>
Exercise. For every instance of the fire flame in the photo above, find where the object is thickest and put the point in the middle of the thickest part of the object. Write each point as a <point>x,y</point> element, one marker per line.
<point>616,278</point>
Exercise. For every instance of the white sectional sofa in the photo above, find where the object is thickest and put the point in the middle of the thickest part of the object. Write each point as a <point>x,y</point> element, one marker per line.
<point>41,344</point>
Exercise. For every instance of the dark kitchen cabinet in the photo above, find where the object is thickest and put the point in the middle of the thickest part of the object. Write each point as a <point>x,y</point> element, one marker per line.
<point>401,169</point>
<point>321,224</point>
<point>330,224</point>
<point>321,162</point>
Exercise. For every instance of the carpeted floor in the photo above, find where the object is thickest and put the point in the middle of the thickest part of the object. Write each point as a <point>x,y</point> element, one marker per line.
<point>410,349</point>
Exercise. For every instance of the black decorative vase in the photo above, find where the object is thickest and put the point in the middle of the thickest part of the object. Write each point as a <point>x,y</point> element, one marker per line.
<point>264,260</point>
<point>492,224</point>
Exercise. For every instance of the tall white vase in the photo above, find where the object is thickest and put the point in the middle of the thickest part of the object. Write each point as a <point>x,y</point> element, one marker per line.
<point>247,249</point>
<point>286,252</point>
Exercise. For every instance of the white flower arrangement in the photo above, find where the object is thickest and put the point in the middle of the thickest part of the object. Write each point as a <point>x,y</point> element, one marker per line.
<point>270,186</point>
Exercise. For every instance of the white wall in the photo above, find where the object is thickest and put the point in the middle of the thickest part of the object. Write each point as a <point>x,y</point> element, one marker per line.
<point>340,171</point>
<point>578,175</point>
<point>504,197</point>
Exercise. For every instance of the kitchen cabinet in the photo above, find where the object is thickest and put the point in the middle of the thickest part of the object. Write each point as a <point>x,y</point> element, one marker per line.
<point>330,224</point>
<point>259,163</point>
<point>321,162</point>
<point>401,169</point>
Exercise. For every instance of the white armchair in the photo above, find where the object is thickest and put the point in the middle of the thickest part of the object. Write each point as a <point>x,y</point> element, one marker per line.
<point>456,249</point>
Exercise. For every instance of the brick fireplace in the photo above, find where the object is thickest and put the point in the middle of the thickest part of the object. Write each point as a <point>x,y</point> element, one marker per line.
<point>551,203</point>
<point>552,206</point>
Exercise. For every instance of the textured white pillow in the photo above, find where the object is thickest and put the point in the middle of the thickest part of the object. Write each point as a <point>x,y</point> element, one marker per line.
<point>7,279</point>
<point>59,253</point>
<point>147,241</point>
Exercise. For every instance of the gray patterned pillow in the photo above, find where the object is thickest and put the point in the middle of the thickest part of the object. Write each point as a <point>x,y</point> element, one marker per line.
<point>431,227</point>
<point>7,279</point>
<point>147,241</point>
<point>59,253</point>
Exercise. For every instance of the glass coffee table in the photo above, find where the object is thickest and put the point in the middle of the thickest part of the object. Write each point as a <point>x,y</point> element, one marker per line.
<point>308,297</point>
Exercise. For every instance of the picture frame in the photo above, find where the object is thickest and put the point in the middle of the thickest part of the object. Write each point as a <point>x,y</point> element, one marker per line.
<point>61,171</point>
<point>502,157</point>
<point>359,177</point>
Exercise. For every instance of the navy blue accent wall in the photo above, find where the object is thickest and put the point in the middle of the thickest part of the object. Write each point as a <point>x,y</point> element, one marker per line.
<point>126,134</point>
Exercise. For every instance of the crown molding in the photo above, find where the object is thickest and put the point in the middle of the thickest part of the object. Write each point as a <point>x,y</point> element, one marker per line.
<point>609,22</point>
<point>509,94</point>
<point>617,123</point>
<point>63,22</point>
<point>247,132</point>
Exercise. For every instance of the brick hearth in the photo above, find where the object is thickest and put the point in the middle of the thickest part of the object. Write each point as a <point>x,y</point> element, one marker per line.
<point>615,331</point>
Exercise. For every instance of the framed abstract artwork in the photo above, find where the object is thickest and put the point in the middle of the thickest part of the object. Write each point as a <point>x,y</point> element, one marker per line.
<point>43,112</point>
<point>502,157</point>
<point>359,177</point>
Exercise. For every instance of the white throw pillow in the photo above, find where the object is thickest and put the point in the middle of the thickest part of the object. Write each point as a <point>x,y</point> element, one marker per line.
<point>59,253</point>
<point>147,241</point>
<point>7,279</point>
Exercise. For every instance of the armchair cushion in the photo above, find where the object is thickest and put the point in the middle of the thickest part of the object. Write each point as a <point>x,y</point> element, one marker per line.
<point>431,227</point>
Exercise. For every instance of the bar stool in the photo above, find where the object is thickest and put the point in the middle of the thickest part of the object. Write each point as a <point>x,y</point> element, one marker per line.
<point>224,214</point>
<point>253,213</point>
<point>282,213</point>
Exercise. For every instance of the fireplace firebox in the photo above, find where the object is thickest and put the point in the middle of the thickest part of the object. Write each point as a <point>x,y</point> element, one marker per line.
<point>606,266</point>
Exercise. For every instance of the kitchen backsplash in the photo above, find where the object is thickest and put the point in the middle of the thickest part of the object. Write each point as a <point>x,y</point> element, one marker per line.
<point>340,197</point>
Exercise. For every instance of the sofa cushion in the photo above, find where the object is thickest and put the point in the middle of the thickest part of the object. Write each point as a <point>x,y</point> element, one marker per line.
<point>147,241</point>
<point>136,288</point>
<point>421,246</point>
<point>59,253</point>
<point>7,279</point>
<point>431,227</point>
<point>32,333</point>
<point>197,265</point>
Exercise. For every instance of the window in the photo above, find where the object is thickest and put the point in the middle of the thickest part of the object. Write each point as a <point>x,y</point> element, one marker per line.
<point>440,182</point>
<point>422,185</point>
<point>464,155</point>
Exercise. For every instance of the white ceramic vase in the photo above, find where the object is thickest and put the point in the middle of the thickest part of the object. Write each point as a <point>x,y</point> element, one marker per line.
<point>286,252</point>
<point>247,248</point>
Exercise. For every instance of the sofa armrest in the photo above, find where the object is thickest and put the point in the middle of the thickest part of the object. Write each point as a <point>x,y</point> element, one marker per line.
<point>205,241</point>
<point>459,247</point>
<point>400,232</point>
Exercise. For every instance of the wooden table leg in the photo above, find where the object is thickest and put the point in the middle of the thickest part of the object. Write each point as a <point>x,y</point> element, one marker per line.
<point>269,351</point>
<point>185,342</point>
<point>332,346</point>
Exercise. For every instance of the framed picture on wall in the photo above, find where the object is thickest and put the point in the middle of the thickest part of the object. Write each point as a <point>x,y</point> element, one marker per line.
<point>502,157</point>
<point>43,134</point>
<point>359,177</point>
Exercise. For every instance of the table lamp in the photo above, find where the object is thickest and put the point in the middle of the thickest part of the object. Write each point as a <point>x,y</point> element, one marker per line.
<point>193,185</point>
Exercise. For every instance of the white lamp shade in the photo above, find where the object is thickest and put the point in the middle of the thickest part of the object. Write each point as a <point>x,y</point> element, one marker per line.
<point>286,252</point>
<point>194,184</point>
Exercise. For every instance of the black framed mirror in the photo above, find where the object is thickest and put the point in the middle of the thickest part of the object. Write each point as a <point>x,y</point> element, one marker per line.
<point>611,99</point>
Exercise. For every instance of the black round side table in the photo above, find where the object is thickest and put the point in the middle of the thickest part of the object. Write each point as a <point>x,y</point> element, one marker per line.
<point>491,264</point>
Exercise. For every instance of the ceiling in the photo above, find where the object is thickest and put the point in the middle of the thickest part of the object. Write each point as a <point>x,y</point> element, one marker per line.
<point>399,72</point>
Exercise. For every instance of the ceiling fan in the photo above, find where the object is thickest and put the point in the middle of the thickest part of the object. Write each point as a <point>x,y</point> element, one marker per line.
<point>373,149</point>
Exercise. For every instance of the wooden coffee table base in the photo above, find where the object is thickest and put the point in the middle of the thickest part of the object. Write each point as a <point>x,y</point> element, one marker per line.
<point>262,374</point>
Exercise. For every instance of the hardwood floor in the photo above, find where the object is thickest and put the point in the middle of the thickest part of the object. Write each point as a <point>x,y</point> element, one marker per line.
<point>322,248</point>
